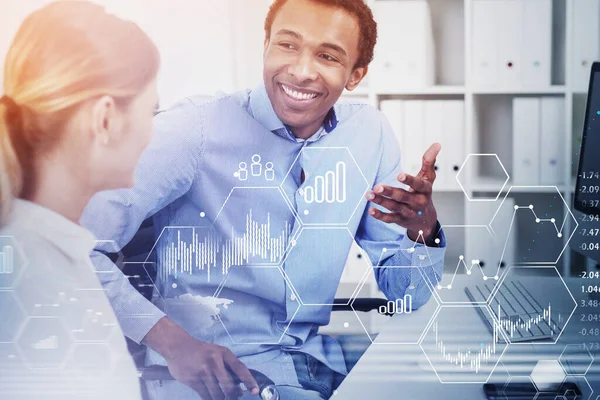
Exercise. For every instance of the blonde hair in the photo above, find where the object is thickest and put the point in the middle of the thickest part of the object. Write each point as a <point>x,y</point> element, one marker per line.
<point>64,54</point>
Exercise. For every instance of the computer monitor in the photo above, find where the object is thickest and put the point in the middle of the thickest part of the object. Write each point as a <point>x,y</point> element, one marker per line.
<point>587,188</point>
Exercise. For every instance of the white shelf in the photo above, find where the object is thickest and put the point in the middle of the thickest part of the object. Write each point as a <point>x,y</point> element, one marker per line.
<point>521,91</point>
<point>433,90</point>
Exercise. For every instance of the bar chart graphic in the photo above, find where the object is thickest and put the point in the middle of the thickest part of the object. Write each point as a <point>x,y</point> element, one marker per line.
<point>329,188</point>
<point>191,250</point>
<point>7,260</point>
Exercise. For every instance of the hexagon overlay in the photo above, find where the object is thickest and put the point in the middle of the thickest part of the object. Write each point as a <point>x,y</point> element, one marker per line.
<point>231,305</point>
<point>13,316</point>
<point>470,170</point>
<point>44,342</point>
<point>333,185</point>
<point>535,218</point>
<point>479,259</point>
<point>547,375</point>
<point>404,306</point>
<point>12,262</point>
<point>576,359</point>
<point>313,290</point>
<point>526,388</point>
<point>548,311</point>
<point>460,347</point>
<point>582,383</point>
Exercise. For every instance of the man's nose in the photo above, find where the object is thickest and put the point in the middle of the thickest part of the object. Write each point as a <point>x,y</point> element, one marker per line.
<point>304,68</point>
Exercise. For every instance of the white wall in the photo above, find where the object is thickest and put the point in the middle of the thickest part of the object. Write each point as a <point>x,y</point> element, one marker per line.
<point>206,45</point>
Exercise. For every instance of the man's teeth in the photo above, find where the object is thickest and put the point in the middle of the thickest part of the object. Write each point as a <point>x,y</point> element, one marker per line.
<point>298,95</point>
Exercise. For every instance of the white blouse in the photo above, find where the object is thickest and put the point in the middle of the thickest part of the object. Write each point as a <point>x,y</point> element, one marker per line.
<point>59,337</point>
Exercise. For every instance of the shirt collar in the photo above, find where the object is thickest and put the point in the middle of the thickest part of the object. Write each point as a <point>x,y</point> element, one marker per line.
<point>70,238</point>
<point>263,112</point>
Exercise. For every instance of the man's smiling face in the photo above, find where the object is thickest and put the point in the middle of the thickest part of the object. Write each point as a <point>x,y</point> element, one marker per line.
<point>309,59</point>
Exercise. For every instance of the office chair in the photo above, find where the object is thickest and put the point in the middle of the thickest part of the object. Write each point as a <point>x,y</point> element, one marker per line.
<point>137,251</point>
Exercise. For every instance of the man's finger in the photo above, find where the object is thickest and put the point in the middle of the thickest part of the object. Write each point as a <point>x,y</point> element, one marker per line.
<point>428,163</point>
<point>201,389</point>
<point>240,370</point>
<point>213,388</point>
<point>390,218</point>
<point>416,183</point>
<point>228,386</point>
<point>396,194</point>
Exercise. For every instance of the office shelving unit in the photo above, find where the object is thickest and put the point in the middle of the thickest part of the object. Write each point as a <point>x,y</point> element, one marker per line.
<point>488,112</point>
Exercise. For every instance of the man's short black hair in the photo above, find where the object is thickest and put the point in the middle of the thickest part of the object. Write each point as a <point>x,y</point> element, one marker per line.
<point>359,9</point>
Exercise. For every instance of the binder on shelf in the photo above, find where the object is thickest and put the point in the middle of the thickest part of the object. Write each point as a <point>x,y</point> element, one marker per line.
<point>405,52</point>
<point>536,43</point>
<point>498,248</point>
<point>444,124</point>
<point>586,41</point>
<point>526,139</point>
<point>434,132</point>
<point>453,142</point>
<point>552,143</point>
<point>414,135</point>
<point>512,43</point>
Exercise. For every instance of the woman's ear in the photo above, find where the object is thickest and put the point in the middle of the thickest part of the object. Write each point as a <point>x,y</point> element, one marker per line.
<point>103,119</point>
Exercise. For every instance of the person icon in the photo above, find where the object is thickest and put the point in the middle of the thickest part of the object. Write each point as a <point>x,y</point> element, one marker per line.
<point>256,166</point>
<point>242,173</point>
<point>269,171</point>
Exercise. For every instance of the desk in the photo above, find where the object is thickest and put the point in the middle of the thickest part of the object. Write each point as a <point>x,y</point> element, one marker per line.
<point>402,371</point>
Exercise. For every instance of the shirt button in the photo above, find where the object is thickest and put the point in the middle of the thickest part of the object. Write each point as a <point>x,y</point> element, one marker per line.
<point>293,297</point>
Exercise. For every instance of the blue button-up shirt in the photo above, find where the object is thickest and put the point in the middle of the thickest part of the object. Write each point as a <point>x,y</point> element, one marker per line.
<point>254,227</point>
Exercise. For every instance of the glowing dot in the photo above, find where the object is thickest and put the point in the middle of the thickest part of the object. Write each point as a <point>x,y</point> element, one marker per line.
<point>468,272</point>
<point>293,242</point>
<point>420,232</point>
<point>174,286</point>
<point>485,278</point>
<point>236,174</point>
<point>202,214</point>
<point>516,207</point>
<point>420,213</point>
<point>598,112</point>
<point>411,250</point>
<point>559,235</point>
<point>439,286</point>
<point>335,392</point>
<point>437,240</point>
<point>552,220</point>
<point>346,324</point>
<point>411,287</point>
<point>496,277</point>
<point>474,262</point>
<point>384,250</point>
<point>537,220</point>
<point>305,212</point>
<point>421,257</point>
<point>449,286</point>
<point>461,257</point>
<point>481,344</point>
<point>531,206</point>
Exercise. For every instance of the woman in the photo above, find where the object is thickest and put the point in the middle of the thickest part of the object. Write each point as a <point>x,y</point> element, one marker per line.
<point>80,94</point>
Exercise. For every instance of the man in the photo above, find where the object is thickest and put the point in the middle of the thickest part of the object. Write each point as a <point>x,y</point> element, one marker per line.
<point>249,166</point>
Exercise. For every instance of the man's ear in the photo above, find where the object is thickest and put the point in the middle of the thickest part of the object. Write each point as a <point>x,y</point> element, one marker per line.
<point>357,76</point>
<point>265,46</point>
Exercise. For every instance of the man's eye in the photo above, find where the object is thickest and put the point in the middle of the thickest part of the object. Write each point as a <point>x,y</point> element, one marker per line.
<point>328,57</point>
<point>287,46</point>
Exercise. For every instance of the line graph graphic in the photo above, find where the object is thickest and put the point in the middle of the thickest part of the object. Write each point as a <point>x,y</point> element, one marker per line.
<point>189,250</point>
